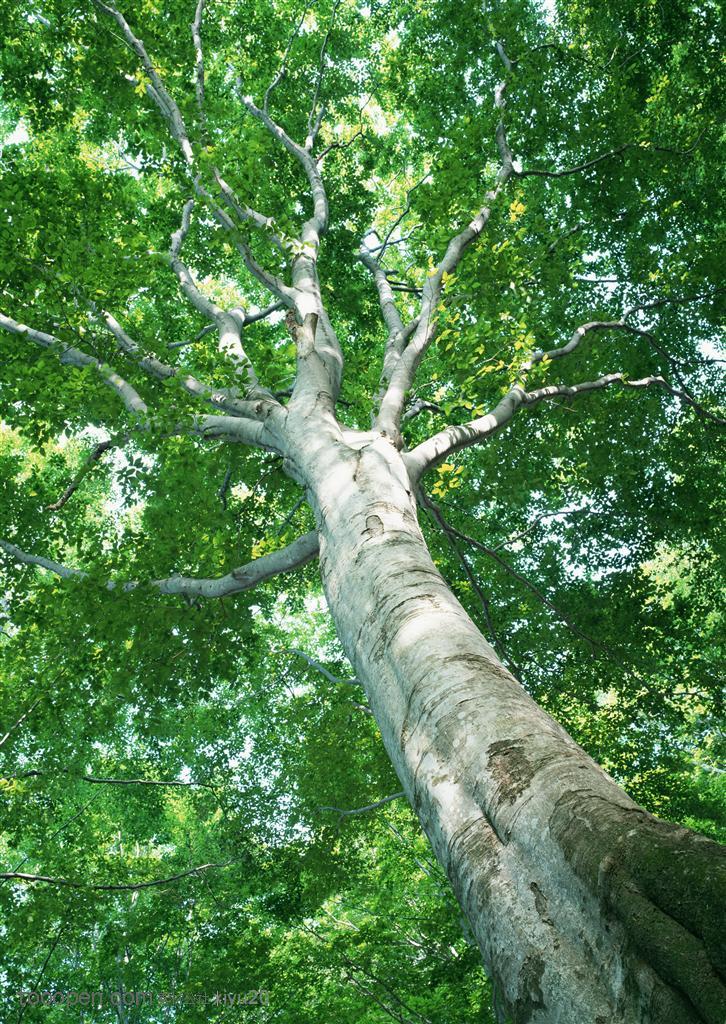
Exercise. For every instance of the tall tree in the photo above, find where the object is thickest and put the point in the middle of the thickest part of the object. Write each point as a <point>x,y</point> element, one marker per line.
<point>295,277</point>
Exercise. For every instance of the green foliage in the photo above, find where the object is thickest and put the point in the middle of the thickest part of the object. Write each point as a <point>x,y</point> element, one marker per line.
<point>608,508</point>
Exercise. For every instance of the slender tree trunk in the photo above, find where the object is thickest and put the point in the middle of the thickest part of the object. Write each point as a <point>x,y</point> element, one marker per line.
<point>587,909</point>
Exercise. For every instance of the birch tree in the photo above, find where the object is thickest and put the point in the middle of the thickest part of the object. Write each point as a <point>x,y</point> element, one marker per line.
<point>355,273</point>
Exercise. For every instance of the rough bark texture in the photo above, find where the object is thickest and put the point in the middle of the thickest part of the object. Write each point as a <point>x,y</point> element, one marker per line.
<point>586,908</point>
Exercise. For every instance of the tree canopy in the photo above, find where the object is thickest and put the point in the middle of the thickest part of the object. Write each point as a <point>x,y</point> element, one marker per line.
<point>199,781</point>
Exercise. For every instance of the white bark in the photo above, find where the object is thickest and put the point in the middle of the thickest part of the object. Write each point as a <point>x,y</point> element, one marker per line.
<point>534,836</point>
<point>244,577</point>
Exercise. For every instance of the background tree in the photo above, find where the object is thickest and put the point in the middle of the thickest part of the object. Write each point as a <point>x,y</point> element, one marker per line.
<point>503,222</point>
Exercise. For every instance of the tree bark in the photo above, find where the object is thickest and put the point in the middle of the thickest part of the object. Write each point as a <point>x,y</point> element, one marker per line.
<point>587,909</point>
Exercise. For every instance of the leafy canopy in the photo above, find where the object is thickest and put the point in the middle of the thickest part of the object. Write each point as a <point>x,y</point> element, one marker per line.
<point>600,518</point>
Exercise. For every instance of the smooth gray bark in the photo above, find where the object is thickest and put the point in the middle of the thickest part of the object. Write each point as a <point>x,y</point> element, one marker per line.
<point>585,907</point>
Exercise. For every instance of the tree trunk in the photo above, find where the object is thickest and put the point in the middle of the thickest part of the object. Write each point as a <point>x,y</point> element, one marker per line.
<point>587,909</point>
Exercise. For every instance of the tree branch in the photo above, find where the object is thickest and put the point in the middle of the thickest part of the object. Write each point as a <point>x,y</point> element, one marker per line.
<point>19,876</point>
<point>282,71</point>
<point>454,438</point>
<point>171,113</point>
<point>321,668</point>
<point>492,553</point>
<point>363,810</point>
<point>100,449</point>
<point>199,57</point>
<point>306,161</point>
<point>22,718</point>
<point>245,577</point>
<point>448,531</point>
<point>98,781</point>
<point>315,121</point>
<point>69,355</point>
<point>155,88</point>
<point>388,419</point>
<point>320,358</point>
<point>535,172</point>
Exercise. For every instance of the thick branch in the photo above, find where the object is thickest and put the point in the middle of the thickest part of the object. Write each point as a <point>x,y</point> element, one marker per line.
<point>188,285</point>
<point>440,446</point>
<point>245,212</point>
<point>259,404</point>
<point>155,88</point>
<point>320,369</point>
<point>397,334</point>
<point>245,577</point>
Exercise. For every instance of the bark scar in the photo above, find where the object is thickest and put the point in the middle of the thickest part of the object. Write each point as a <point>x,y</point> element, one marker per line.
<point>374,526</point>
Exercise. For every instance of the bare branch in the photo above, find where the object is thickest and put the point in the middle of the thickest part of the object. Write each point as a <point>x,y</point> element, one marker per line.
<point>448,531</point>
<point>386,244</point>
<point>294,555</point>
<point>224,488</point>
<point>172,115</point>
<point>240,315</point>
<point>193,341</point>
<point>100,781</point>
<point>246,213</point>
<point>306,161</point>
<point>339,145</point>
<point>320,358</point>
<point>401,217</point>
<point>43,563</point>
<point>155,88</point>
<point>391,316</point>
<point>260,402</point>
<point>418,407</point>
<point>574,342</point>
<point>262,314</point>
<point>492,553</point>
<point>623,325</point>
<point>229,325</point>
<point>188,285</point>
<point>534,172</point>
<point>515,537</point>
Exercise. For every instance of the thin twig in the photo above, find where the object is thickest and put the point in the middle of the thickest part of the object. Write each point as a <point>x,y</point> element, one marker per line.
<point>116,887</point>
